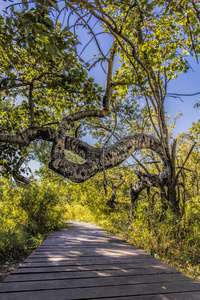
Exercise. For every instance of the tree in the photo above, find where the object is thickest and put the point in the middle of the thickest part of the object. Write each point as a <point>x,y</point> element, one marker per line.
<point>38,88</point>
<point>150,37</point>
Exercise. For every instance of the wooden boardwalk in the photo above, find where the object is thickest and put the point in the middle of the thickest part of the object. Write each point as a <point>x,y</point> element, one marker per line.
<point>82,262</point>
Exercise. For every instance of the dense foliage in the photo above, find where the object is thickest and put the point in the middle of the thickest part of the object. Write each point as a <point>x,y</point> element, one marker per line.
<point>27,216</point>
<point>48,96</point>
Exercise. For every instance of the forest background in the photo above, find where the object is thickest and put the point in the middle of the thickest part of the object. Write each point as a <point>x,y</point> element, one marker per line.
<point>46,76</point>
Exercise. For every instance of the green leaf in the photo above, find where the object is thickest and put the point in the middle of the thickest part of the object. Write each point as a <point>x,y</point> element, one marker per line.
<point>43,38</point>
<point>29,16</point>
<point>49,22</point>
<point>51,49</point>
<point>29,42</point>
<point>65,29</point>
<point>58,23</point>
<point>54,4</point>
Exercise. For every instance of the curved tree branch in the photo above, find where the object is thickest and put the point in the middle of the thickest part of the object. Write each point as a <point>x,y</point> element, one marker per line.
<point>95,160</point>
<point>28,135</point>
<point>20,179</point>
<point>138,187</point>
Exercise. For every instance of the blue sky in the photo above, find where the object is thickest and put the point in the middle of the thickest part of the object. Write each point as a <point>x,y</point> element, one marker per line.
<point>186,83</point>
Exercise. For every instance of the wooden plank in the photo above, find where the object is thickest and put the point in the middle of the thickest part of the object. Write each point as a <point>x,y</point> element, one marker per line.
<point>105,292</point>
<point>104,245</point>
<point>85,258</point>
<point>77,241</point>
<point>170,296</point>
<point>67,261</point>
<point>76,253</point>
<point>93,251</point>
<point>86,245</point>
<point>83,248</point>
<point>138,265</point>
<point>82,262</point>
<point>86,274</point>
<point>108,254</point>
<point>79,244</point>
<point>87,250</point>
<point>89,282</point>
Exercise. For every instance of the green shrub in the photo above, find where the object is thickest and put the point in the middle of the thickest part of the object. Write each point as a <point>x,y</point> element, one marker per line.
<point>171,238</point>
<point>27,214</point>
<point>12,245</point>
<point>44,208</point>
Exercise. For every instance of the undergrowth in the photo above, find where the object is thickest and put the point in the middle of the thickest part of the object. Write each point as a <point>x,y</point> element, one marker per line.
<point>170,238</point>
<point>27,216</point>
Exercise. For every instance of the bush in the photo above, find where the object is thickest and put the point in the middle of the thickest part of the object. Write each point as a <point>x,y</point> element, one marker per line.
<point>44,208</point>
<point>27,214</point>
<point>171,238</point>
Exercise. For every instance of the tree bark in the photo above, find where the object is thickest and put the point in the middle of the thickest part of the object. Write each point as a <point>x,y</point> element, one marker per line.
<point>95,160</point>
<point>111,201</point>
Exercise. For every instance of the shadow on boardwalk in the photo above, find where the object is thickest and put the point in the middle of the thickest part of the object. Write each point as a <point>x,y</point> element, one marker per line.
<point>83,262</point>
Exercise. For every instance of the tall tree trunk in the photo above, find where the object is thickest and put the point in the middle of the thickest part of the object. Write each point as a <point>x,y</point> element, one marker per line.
<point>172,198</point>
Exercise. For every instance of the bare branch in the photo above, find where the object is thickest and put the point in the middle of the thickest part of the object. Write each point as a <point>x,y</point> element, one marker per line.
<point>100,59</point>
<point>182,95</point>
<point>13,86</point>
<point>28,135</point>
<point>141,165</point>
<point>108,90</point>
<point>20,162</point>
<point>20,179</point>
<point>76,131</point>
<point>152,162</point>
<point>188,155</point>
<point>31,105</point>
<point>92,32</point>
<point>138,187</point>
<point>150,116</point>
<point>111,201</point>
